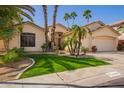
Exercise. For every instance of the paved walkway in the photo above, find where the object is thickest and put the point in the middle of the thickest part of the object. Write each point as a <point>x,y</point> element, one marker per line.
<point>91,76</point>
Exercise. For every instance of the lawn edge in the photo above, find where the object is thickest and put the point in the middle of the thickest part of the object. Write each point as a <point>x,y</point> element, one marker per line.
<point>19,75</point>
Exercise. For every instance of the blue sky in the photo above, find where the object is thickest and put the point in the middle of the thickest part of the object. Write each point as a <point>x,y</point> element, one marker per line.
<point>107,14</point>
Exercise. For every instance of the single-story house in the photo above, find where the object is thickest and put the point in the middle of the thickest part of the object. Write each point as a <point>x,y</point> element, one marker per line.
<point>104,37</point>
<point>31,38</point>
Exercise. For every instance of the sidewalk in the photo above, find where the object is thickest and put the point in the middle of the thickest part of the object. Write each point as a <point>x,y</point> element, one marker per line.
<point>91,76</point>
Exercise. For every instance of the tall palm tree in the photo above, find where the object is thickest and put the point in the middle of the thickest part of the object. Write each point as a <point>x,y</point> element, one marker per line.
<point>45,25</point>
<point>9,17</point>
<point>54,27</point>
<point>87,15</point>
<point>66,18</point>
<point>73,15</point>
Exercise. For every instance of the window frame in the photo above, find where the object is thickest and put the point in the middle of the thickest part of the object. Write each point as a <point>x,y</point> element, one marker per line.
<point>23,36</point>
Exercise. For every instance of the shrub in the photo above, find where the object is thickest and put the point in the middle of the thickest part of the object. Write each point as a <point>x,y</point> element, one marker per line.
<point>64,44</point>
<point>120,47</point>
<point>12,55</point>
<point>85,50</point>
<point>94,49</point>
<point>44,46</point>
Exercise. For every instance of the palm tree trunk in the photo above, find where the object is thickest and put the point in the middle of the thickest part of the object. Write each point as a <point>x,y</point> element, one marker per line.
<point>71,47</point>
<point>45,25</point>
<point>54,27</point>
<point>6,44</point>
<point>88,20</point>
<point>69,50</point>
<point>68,25</point>
<point>73,21</point>
<point>75,47</point>
<point>79,45</point>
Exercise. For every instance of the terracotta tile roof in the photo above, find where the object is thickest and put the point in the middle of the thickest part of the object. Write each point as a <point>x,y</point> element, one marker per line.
<point>28,22</point>
<point>60,25</point>
<point>117,23</point>
<point>100,22</point>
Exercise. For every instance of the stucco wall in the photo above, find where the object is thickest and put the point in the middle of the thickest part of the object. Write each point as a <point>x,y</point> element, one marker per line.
<point>86,41</point>
<point>29,28</point>
<point>59,28</point>
<point>104,32</point>
<point>106,36</point>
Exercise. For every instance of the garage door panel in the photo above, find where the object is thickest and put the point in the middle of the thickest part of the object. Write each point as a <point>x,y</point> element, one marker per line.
<point>104,44</point>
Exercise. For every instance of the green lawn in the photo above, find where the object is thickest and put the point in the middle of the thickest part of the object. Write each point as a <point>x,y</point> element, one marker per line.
<point>49,63</point>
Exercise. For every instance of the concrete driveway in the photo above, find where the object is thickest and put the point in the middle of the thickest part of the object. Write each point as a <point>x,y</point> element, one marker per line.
<point>86,77</point>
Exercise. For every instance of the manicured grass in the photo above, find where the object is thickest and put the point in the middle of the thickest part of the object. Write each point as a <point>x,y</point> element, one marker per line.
<point>49,63</point>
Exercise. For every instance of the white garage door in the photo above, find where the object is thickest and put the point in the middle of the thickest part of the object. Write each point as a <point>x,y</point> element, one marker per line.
<point>104,43</point>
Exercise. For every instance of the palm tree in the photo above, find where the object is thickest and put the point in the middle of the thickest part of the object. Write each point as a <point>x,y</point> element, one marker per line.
<point>79,33</point>
<point>66,18</point>
<point>87,15</point>
<point>53,27</point>
<point>45,25</point>
<point>17,11</point>
<point>73,16</point>
<point>9,17</point>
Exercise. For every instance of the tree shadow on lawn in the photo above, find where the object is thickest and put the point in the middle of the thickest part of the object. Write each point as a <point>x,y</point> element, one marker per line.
<point>50,60</point>
<point>59,64</point>
<point>66,62</point>
<point>82,61</point>
<point>53,63</point>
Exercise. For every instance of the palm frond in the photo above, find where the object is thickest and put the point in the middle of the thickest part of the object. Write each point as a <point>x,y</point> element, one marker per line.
<point>28,8</point>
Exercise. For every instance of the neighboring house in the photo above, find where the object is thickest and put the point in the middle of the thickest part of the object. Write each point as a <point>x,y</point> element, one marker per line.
<point>31,38</point>
<point>104,37</point>
<point>117,24</point>
<point>120,27</point>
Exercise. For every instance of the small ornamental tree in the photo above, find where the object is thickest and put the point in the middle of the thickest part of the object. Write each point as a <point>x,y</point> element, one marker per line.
<point>74,40</point>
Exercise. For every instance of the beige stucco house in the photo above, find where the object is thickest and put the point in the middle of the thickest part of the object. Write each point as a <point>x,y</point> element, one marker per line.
<point>104,37</point>
<point>31,38</point>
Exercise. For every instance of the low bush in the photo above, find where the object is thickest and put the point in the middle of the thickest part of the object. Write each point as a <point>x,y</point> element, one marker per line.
<point>13,55</point>
<point>120,47</point>
<point>46,46</point>
<point>94,49</point>
<point>85,50</point>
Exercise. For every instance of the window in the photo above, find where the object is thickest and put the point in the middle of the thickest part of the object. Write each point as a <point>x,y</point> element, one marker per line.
<point>27,40</point>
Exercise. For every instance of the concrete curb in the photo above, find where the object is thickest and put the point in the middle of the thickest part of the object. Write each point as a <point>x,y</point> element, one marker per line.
<point>18,76</point>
